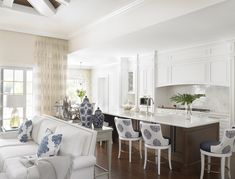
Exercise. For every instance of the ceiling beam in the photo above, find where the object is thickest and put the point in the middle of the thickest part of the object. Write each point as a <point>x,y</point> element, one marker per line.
<point>7,3</point>
<point>44,7</point>
<point>64,2</point>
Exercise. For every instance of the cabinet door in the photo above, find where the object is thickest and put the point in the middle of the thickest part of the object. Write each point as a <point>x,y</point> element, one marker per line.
<point>162,75</point>
<point>150,81</point>
<point>190,73</point>
<point>219,72</point>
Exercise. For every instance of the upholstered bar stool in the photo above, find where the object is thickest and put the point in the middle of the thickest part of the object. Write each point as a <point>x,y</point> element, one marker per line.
<point>127,133</point>
<point>153,138</point>
<point>222,150</point>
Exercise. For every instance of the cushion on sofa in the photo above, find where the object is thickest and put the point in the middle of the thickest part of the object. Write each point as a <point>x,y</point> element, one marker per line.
<point>25,131</point>
<point>43,129</point>
<point>73,142</point>
<point>30,148</point>
<point>10,142</point>
<point>50,145</point>
<point>37,120</point>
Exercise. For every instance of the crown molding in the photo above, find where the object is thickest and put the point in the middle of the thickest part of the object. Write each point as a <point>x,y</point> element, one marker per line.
<point>115,13</point>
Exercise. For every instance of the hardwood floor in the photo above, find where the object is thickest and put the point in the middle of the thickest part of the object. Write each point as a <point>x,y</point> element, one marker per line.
<point>122,169</point>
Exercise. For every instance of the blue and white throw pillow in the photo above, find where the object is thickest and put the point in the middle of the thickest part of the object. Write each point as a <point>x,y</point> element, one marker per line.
<point>25,131</point>
<point>50,145</point>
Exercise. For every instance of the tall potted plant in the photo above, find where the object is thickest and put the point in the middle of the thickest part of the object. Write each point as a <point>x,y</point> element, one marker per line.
<point>187,100</point>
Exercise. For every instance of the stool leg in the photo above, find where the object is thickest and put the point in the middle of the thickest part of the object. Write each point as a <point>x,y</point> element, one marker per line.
<point>119,148</point>
<point>145,157</point>
<point>202,165</point>
<point>130,143</point>
<point>229,163</point>
<point>169,158</point>
<point>159,161</point>
<point>140,148</point>
<point>209,165</point>
<point>222,167</point>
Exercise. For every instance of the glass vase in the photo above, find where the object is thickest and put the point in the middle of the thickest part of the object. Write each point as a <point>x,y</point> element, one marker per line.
<point>188,111</point>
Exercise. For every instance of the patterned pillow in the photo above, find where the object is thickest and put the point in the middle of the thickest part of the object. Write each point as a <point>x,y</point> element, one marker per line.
<point>50,145</point>
<point>25,131</point>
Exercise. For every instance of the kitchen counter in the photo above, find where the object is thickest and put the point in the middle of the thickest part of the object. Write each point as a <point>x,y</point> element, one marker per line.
<point>176,120</point>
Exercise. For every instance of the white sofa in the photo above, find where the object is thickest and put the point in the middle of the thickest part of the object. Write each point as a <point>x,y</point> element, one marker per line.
<point>77,142</point>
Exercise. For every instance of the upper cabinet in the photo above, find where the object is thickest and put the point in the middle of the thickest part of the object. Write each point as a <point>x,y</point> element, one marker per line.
<point>207,64</point>
<point>189,73</point>
<point>146,75</point>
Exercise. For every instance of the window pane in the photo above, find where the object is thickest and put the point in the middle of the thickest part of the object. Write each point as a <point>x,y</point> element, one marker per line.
<point>8,75</point>
<point>7,113</point>
<point>29,88</point>
<point>18,88</point>
<point>4,100</point>
<point>19,75</point>
<point>8,87</point>
<point>29,76</point>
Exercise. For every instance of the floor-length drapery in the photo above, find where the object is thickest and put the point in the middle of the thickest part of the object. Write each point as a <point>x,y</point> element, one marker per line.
<point>50,73</point>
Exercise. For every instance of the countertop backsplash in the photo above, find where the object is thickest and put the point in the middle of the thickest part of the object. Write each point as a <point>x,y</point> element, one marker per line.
<point>216,100</point>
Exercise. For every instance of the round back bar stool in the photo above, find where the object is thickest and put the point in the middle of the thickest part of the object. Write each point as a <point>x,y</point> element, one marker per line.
<point>222,150</point>
<point>127,133</point>
<point>153,139</point>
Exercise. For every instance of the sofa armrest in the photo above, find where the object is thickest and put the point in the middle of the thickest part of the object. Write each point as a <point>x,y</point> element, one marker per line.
<point>83,162</point>
<point>9,135</point>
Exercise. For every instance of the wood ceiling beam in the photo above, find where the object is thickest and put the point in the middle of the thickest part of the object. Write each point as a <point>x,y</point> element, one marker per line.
<point>7,3</point>
<point>64,2</point>
<point>44,7</point>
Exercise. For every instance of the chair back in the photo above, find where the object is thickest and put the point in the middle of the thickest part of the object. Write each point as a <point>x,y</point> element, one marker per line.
<point>227,144</point>
<point>124,128</point>
<point>152,134</point>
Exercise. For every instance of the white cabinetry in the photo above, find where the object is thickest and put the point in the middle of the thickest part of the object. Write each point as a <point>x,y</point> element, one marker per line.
<point>189,73</point>
<point>163,75</point>
<point>219,71</point>
<point>208,64</point>
<point>146,72</point>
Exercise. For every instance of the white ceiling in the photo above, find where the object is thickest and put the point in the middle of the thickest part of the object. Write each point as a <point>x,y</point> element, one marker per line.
<point>214,23</point>
<point>68,20</point>
<point>141,26</point>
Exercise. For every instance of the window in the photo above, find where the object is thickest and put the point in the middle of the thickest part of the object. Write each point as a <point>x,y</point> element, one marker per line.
<point>78,79</point>
<point>15,81</point>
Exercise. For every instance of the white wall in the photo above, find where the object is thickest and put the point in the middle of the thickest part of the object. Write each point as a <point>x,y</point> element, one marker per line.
<point>112,73</point>
<point>16,49</point>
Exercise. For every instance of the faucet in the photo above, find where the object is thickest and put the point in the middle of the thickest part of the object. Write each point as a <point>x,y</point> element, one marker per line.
<point>149,104</point>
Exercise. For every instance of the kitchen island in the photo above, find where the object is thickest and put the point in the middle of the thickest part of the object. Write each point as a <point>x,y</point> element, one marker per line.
<point>186,135</point>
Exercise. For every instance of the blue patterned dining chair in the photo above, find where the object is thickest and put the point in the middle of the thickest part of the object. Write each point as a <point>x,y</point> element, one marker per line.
<point>153,139</point>
<point>127,133</point>
<point>222,150</point>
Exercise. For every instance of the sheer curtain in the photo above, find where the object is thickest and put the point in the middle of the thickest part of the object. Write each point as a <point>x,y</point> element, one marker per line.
<point>50,73</point>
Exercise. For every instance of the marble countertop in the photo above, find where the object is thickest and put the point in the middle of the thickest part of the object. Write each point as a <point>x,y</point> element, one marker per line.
<point>167,119</point>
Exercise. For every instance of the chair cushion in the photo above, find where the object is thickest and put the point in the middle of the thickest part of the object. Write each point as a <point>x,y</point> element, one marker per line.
<point>30,148</point>
<point>11,142</point>
<point>74,141</point>
<point>206,146</point>
<point>50,145</point>
<point>25,131</point>
<point>169,139</point>
<point>3,176</point>
<point>43,129</point>
<point>37,120</point>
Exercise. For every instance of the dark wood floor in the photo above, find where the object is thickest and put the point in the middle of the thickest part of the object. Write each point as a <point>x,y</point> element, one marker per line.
<point>122,169</point>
